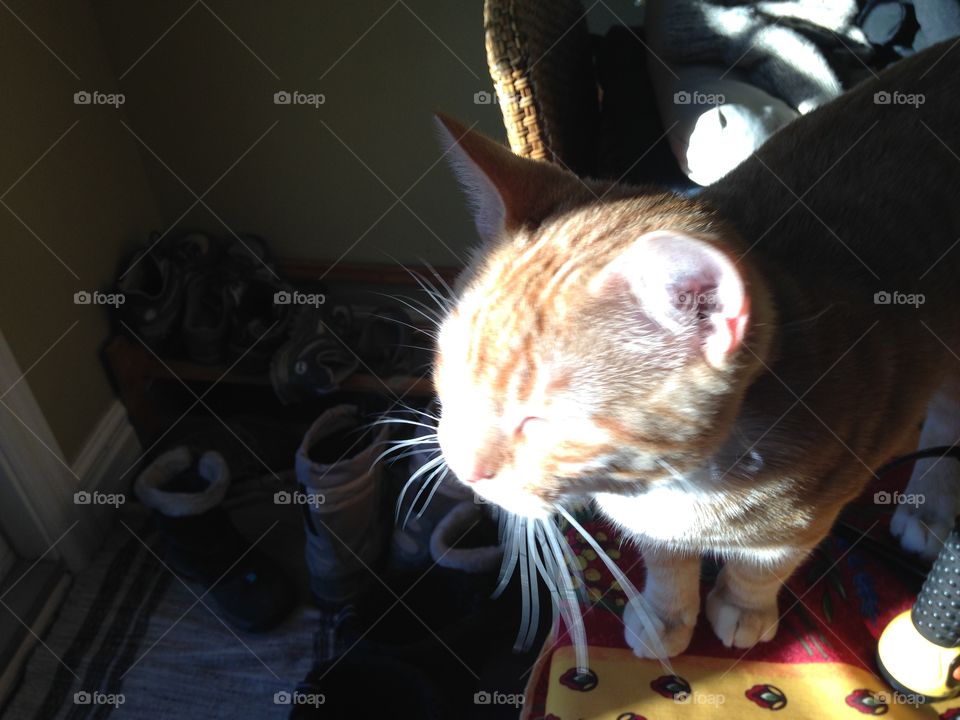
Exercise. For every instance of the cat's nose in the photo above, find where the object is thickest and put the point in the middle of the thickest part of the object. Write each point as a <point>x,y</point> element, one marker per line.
<point>471,458</point>
<point>479,473</point>
<point>488,458</point>
<point>484,464</point>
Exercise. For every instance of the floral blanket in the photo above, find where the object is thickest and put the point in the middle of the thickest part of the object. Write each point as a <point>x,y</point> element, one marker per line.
<point>820,665</point>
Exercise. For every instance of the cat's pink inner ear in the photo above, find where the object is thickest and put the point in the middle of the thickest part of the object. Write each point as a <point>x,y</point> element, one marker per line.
<point>505,190</point>
<point>728,334</point>
<point>683,283</point>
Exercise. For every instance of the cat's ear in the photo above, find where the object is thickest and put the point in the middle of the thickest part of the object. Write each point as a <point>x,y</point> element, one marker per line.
<point>506,191</point>
<point>682,282</point>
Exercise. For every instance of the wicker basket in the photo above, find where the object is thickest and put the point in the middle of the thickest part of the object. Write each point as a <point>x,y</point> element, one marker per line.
<point>539,56</point>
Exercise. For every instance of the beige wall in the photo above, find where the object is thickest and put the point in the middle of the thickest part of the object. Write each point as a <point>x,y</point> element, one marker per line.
<point>87,199</point>
<point>200,99</point>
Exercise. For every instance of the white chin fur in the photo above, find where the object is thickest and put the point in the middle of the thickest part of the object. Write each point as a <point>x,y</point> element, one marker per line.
<point>501,491</point>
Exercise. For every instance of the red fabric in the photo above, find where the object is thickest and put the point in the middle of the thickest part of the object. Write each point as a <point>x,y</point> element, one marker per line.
<point>848,593</point>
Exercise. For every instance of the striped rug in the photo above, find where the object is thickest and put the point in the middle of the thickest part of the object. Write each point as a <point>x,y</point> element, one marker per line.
<point>132,639</point>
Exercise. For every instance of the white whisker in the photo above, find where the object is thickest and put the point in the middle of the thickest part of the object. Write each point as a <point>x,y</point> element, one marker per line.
<point>395,445</point>
<point>444,301</point>
<point>644,613</point>
<point>677,475</point>
<point>533,617</point>
<point>425,468</point>
<point>404,421</point>
<point>568,605</point>
<point>547,573</point>
<point>440,481</point>
<point>416,347</point>
<point>508,536</point>
<point>440,469</point>
<point>423,310</point>
<point>446,286</point>
<point>525,602</point>
<point>432,333</point>
<point>572,564</point>
<point>411,453</point>
<point>415,411</point>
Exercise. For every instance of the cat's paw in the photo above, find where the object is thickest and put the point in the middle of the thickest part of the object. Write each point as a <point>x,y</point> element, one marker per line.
<point>739,626</point>
<point>921,529</point>
<point>672,633</point>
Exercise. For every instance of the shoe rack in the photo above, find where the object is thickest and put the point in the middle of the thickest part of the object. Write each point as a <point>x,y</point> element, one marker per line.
<point>139,376</point>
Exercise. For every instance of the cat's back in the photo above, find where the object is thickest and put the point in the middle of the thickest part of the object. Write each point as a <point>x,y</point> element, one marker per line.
<point>866,188</point>
<point>851,215</point>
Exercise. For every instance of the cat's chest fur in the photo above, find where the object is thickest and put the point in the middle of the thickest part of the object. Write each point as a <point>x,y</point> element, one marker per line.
<point>664,515</point>
<point>697,519</point>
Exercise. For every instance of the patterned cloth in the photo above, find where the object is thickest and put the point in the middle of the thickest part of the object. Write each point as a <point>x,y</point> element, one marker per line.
<point>820,665</point>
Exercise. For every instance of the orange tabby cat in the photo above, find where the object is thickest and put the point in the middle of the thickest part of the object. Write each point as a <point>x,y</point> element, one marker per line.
<point>720,374</point>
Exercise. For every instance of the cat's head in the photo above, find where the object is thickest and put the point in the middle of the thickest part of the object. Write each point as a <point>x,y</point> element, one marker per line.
<point>596,342</point>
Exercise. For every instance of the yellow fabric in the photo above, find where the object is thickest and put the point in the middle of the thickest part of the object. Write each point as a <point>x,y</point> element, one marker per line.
<point>813,691</point>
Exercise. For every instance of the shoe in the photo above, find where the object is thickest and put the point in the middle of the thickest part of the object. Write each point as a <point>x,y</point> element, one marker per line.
<point>341,491</point>
<point>384,342</point>
<point>253,444</point>
<point>341,671</point>
<point>462,540</point>
<point>202,545</point>
<point>191,252</point>
<point>258,324</point>
<point>418,513</point>
<point>421,654</point>
<point>153,294</point>
<point>423,499</point>
<point>209,307</point>
<point>246,254</point>
<point>341,690</point>
<point>316,358</point>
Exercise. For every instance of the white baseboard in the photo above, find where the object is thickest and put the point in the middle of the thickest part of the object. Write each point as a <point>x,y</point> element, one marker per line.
<point>105,465</point>
<point>34,479</point>
<point>105,461</point>
<point>37,484</point>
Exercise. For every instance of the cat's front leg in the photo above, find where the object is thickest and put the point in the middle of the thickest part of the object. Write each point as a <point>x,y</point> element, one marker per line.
<point>672,592</point>
<point>742,607</point>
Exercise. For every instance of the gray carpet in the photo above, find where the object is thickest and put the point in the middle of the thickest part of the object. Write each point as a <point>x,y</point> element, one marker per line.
<point>130,627</point>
